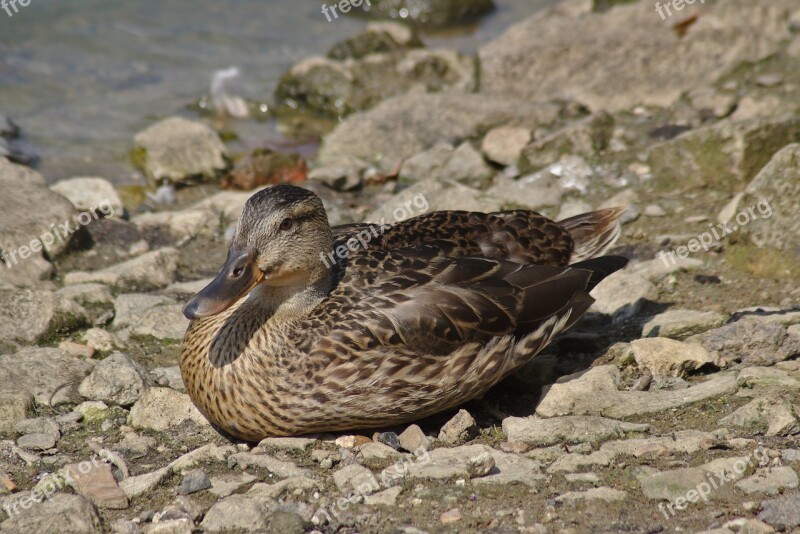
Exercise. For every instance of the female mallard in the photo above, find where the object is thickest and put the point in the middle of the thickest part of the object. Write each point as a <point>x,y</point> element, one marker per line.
<point>433,312</point>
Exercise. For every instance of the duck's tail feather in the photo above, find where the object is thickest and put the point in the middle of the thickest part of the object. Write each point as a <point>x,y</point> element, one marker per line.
<point>600,268</point>
<point>593,233</point>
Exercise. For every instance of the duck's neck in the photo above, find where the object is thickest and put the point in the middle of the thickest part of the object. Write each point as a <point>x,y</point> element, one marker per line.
<point>292,300</point>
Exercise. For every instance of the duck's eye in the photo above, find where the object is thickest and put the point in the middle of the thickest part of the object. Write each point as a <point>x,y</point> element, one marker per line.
<point>237,272</point>
<point>287,224</point>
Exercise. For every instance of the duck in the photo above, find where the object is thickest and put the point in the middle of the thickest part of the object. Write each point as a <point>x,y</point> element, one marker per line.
<point>429,313</point>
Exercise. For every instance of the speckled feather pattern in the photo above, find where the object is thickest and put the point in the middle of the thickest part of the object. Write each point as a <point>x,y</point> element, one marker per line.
<point>434,312</point>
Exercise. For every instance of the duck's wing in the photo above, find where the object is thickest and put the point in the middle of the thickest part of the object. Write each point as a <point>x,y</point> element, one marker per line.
<point>424,302</point>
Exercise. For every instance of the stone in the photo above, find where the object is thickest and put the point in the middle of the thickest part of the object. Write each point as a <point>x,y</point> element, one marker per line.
<point>659,268</point>
<point>37,316</point>
<point>194,481</point>
<point>389,439</point>
<point>532,192</point>
<point>163,409</point>
<point>413,439</point>
<point>117,380</point>
<point>88,194</point>
<point>379,37</point>
<point>61,514</point>
<point>134,446</point>
<point>585,137</point>
<point>387,497</point>
<point>101,340</point>
<point>467,461</point>
<point>39,425</point>
<point>581,478</point>
<point>508,468</point>
<point>139,485</point>
<point>750,341</point>
<point>237,512</point>
<point>352,477</point>
<point>504,144</point>
<point>153,270</point>
<point>596,392</point>
<point>680,323</point>
<point>782,512</point>
<point>15,406</point>
<point>87,294</point>
<point>181,525</point>
<point>463,164</point>
<point>386,148</point>
<point>227,484</point>
<point>571,429</point>
<point>50,374</point>
<point>278,467</point>
<point>461,427</point>
<point>176,149</point>
<point>756,381</point>
<point>165,322</point>
<point>667,357</point>
<point>93,411</point>
<point>76,350</point>
<point>98,483</point>
<point>450,516</point>
<point>432,13</point>
<point>168,377</point>
<point>622,295</point>
<point>777,416</point>
<point>748,526</point>
<point>291,445</point>
<point>675,483</point>
<point>770,481</point>
<point>376,453</point>
<point>28,210</point>
<point>589,62</point>
<point>287,486</point>
<point>602,493</point>
<point>37,442</point>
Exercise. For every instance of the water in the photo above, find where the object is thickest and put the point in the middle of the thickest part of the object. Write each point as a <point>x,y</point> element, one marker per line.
<point>82,77</point>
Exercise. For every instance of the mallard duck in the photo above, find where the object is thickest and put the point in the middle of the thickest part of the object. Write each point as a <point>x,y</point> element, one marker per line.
<point>430,313</point>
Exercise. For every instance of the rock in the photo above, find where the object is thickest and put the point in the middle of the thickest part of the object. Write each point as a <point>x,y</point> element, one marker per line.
<point>377,453</point>
<point>130,307</point>
<point>504,144</point>
<point>93,411</point>
<point>750,341</point>
<point>88,194</point>
<point>654,210</point>
<point>667,357</point>
<point>292,445</point>
<point>413,439</point>
<point>37,442</point>
<point>387,497</point>
<point>136,486</point>
<point>386,148</point>
<point>727,152</point>
<point>37,316</point>
<point>287,486</point>
<point>117,379</point>
<point>378,38</point>
<point>586,137</point>
<point>776,415</point>
<point>39,425</point>
<point>194,481</point>
<point>532,192</point>
<point>466,462</point>
<point>443,162</point>
<point>782,512</point>
<point>169,377</point>
<point>755,381</point>
<point>134,446</point>
<point>100,340</point>
<point>61,514</point>
<point>432,13</point>
<point>433,195</point>
<point>339,88</point>
<point>28,210</point>
<point>77,350</point>
<point>622,295</point>
<point>176,149</point>
<point>461,427</point>
<point>595,392</point>
<point>288,522</point>
<point>749,526</point>
<point>664,265</point>
<point>571,430</point>
<point>602,493</point>
<point>508,468</point>
<point>51,375</point>
<point>589,478</point>
<point>676,483</point>
<point>152,270</point>
<point>181,525</point>
<point>15,406</point>
<point>389,439</point>
<point>450,516</point>
<point>163,409</point>
<point>96,481</point>
<point>769,480</point>
<point>181,225</point>
<point>87,294</point>
<point>679,323</point>
<point>225,485</point>
<point>278,467</point>
<point>589,62</point>
<point>237,512</point>
<point>352,477</point>
<point>165,322</point>
<point>773,191</point>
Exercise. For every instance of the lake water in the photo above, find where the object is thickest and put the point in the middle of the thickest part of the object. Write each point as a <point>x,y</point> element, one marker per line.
<point>81,77</point>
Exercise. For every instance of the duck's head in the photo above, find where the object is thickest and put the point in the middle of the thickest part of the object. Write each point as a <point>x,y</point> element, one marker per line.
<point>277,242</point>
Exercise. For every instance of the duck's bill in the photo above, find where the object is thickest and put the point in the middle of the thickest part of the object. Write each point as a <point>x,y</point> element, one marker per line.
<point>235,280</point>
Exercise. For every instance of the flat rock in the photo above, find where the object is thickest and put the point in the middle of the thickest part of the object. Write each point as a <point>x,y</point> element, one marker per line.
<point>86,294</point>
<point>504,144</point>
<point>622,295</point>
<point>165,322</point>
<point>675,483</point>
<point>463,164</point>
<point>136,486</point>
<point>168,377</point>
<point>37,442</point>
<point>758,381</point>
<point>117,380</point>
<point>461,427</point>
<point>667,357</point>
<point>35,316</point>
<point>91,195</point>
<point>163,409</point>
<point>50,374</point>
<point>511,468</point>
<point>279,490</point>
<point>602,493</point>
<point>278,467</point>
<point>751,341</point>
<point>352,477</point>
<point>193,481</point>
<point>467,461</point>
<point>782,512</point>
<point>15,406</point>
<point>296,445</point>
<point>237,512</point>
<point>777,416</point>
<point>413,439</point>
<point>96,481</point>
<point>227,484</point>
<point>769,480</point>
<point>387,497</point>
<point>376,453</point>
<point>679,323</point>
<point>61,514</point>
<point>176,149</point>
<point>571,429</point>
<point>153,270</point>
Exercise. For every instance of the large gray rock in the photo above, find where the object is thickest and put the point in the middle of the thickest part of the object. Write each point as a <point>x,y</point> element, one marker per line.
<point>153,270</point>
<point>444,162</point>
<point>116,379</point>
<point>402,126</point>
<point>89,193</point>
<point>35,316</point>
<point>43,372</point>
<point>61,514</point>
<point>28,209</point>
<point>751,341</point>
<point>164,408</point>
<point>679,323</point>
<point>176,149</point>
<point>667,357</point>
<point>590,60</point>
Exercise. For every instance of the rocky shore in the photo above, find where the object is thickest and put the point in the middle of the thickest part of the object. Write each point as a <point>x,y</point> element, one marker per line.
<point>673,406</point>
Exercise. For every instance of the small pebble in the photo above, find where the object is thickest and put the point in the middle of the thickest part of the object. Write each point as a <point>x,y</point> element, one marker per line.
<point>194,481</point>
<point>451,516</point>
<point>390,439</point>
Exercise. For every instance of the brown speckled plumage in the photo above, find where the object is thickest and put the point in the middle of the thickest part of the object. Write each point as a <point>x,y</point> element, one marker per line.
<point>432,313</point>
